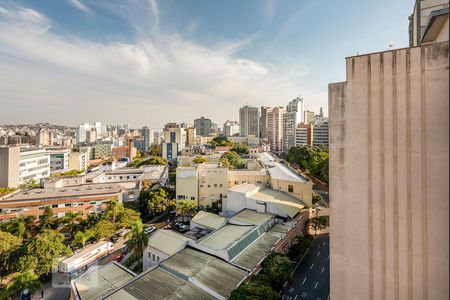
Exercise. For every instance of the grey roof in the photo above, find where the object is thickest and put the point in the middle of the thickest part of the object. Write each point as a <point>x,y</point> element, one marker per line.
<point>206,269</point>
<point>98,282</point>
<point>68,191</point>
<point>256,252</point>
<point>225,237</point>
<point>159,284</point>
<point>251,217</point>
<point>278,170</point>
<point>209,220</point>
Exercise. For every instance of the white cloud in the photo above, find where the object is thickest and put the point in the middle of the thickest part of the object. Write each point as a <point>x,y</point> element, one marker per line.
<point>79,5</point>
<point>46,76</point>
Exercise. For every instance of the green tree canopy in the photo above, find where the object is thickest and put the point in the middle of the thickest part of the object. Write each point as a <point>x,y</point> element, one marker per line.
<point>103,229</point>
<point>138,240</point>
<point>48,219</point>
<point>199,160</point>
<point>186,208</point>
<point>158,201</point>
<point>9,244</point>
<point>240,149</point>
<point>232,160</point>
<point>128,217</point>
<point>312,159</point>
<point>257,289</point>
<point>276,267</point>
<point>318,223</point>
<point>221,140</point>
<point>113,209</point>
<point>47,247</point>
<point>20,281</point>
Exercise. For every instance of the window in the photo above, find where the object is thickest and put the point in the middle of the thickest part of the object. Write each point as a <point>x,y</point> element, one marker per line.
<point>157,259</point>
<point>54,205</point>
<point>192,198</point>
<point>220,185</point>
<point>215,185</point>
<point>236,182</point>
<point>149,255</point>
<point>68,204</point>
<point>209,185</point>
<point>41,207</point>
<point>259,182</point>
<point>153,257</point>
<point>290,189</point>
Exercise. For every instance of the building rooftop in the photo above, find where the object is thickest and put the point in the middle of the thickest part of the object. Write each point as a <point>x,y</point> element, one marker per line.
<point>206,269</point>
<point>287,203</point>
<point>256,252</point>
<point>278,170</point>
<point>69,191</point>
<point>246,188</point>
<point>167,241</point>
<point>98,282</point>
<point>224,237</point>
<point>158,284</point>
<point>209,220</point>
<point>251,217</point>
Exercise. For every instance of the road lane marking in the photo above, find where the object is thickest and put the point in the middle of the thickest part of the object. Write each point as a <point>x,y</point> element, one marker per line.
<point>311,267</point>
<point>295,297</point>
<point>318,253</point>
<point>304,280</point>
<point>328,257</point>
<point>324,243</point>
<point>316,284</point>
<point>322,269</point>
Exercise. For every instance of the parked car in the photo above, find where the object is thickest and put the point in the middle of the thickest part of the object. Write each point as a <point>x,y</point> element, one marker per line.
<point>114,239</point>
<point>119,257</point>
<point>124,250</point>
<point>124,232</point>
<point>181,227</point>
<point>150,229</point>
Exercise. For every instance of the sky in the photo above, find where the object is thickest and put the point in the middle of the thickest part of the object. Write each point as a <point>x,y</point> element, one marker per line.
<point>149,62</point>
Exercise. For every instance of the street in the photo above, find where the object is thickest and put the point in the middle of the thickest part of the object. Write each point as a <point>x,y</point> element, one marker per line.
<point>311,279</point>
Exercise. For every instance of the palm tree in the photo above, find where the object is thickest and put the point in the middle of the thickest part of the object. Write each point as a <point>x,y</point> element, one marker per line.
<point>114,208</point>
<point>71,220</point>
<point>138,240</point>
<point>318,223</point>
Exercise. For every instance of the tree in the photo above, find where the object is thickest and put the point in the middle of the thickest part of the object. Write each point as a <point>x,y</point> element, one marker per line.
<point>186,208</point>
<point>103,229</point>
<point>199,160</point>
<point>47,247</point>
<point>300,247</point>
<point>318,223</point>
<point>155,150</point>
<point>114,208</point>
<point>138,240</point>
<point>81,237</point>
<point>232,159</point>
<point>221,140</point>
<point>276,267</point>
<point>48,218</point>
<point>71,220</point>
<point>158,201</point>
<point>20,281</point>
<point>8,245</point>
<point>312,159</point>
<point>257,289</point>
<point>316,198</point>
<point>128,217</point>
<point>240,149</point>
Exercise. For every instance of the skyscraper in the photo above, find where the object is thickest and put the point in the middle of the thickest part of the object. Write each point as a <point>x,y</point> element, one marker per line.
<point>290,121</point>
<point>203,126</point>
<point>275,129</point>
<point>249,121</point>
<point>147,136</point>
<point>263,121</point>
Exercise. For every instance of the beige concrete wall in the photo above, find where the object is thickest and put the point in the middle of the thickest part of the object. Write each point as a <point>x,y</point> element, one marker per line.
<point>187,184</point>
<point>302,191</point>
<point>213,184</point>
<point>389,176</point>
<point>240,177</point>
<point>9,166</point>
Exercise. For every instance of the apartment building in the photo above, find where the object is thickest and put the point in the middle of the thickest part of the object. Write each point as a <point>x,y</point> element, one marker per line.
<point>190,136</point>
<point>230,128</point>
<point>389,158</point>
<point>87,199</point>
<point>9,162</point>
<point>291,118</point>
<point>174,142</point>
<point>249,121</point>
<point>304,134</point>
<point>78,161</point>
<point>275,129</point>
<point>263,134</point>
<point>203,126</point>
<point>321,133</point>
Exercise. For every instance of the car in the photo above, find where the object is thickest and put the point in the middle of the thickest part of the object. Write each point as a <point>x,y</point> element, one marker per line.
<point>124,250</point>
<point>150,229</point>
<point>114,239</point>
<point>119,257</point>
<point>181,227</point>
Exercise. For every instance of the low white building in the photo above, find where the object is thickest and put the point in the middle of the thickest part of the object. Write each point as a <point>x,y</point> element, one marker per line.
<point>59,160</point>
<point>34,164</point>
<point>161,245</point>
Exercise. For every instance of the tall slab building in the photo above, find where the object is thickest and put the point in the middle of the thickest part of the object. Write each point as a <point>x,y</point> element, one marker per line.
<point>249,121</point>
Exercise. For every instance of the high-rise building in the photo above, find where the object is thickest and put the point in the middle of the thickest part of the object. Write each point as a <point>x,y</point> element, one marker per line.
<point>263,122</point>
<point>308,116</point>
<point>230,128</point>
<point>389,158</point>
<point>190,136</point>
<point>147,137</point>
<point>203,126</point>
<point>275,129</point>
<point>321,133</point>
<point>249,121</point>
<point>91,135</point>
<point>304,134</point>
<point>291,119</point>
<point>44,138</point>
<point>174,142</point>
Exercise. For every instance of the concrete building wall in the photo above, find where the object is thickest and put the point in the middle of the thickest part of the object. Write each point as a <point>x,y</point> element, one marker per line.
<point>240,177</point>
<point>9,166</point>
<point>187,184</point>
<point>389,160</point>
<point>302,191</point>
<point>213,184</point>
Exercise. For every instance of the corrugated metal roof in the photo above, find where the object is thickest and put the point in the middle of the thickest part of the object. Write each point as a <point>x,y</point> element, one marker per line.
<point>250,257</point>
<point>251,217</point>
<point>209,220</point>
<point>99,282</point>
<point>167,241</point>
<point>206,269</point>
<point>159,284</point>
<point>225,237</point>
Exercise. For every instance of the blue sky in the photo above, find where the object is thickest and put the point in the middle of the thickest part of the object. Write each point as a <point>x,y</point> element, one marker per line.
<point>148,62</point>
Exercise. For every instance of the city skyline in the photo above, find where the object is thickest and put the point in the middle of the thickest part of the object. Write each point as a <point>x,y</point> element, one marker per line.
<point>157,60</point>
